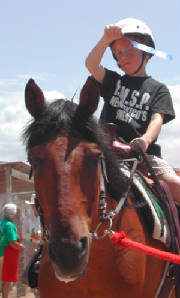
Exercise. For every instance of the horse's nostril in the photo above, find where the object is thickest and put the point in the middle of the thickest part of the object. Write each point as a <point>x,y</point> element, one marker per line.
<point>84,246</point>
<point>67,253</point>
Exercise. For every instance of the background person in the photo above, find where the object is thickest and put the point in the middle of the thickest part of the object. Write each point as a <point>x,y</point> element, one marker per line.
<point>10,243</point>
<point>1,258</point>
<point>31,229</point>
<point>32,236</point>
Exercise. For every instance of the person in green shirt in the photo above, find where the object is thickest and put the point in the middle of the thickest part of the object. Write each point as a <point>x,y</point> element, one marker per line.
<point>10,247</point>
<point>8,230</point>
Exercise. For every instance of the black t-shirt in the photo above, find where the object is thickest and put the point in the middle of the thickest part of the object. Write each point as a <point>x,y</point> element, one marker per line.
<point>130,103</point>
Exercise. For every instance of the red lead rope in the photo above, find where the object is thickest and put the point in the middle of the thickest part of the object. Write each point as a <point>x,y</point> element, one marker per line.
<point>123,240</point>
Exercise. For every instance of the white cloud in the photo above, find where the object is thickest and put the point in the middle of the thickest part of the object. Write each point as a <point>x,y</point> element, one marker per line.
<point>170,135</point>
<point>52,95</point>
<point>6,83</point>
<point>27,76</point>
<point>13,118</point>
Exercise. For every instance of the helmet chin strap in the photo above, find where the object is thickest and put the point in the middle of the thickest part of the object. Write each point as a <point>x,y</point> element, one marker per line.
<point>142,61</point>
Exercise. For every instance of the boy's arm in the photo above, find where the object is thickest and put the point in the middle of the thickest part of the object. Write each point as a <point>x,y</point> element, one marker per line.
<point>151,133</point>
<point>93,61</point>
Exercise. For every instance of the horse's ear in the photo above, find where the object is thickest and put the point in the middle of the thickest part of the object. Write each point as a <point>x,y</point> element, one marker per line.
<point>89,96</point>
<point>34,98</point>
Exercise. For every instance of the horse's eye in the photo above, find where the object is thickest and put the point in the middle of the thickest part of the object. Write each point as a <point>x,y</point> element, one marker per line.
<point>33,163</point>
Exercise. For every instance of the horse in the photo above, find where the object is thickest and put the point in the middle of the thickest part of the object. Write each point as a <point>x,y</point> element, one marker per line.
<point>66,148</point>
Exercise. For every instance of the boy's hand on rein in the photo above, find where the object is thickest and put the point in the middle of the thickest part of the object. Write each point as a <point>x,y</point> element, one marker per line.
<point>141,142</point>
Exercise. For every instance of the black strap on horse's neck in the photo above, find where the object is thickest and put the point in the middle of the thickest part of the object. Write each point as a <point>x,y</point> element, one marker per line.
<point>30,173</point>
<point>102,197</point>
<point>39,210</point>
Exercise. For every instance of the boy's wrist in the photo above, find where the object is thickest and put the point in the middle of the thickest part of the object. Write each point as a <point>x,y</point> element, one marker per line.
<point>146,140</point>
<point>105,41</point>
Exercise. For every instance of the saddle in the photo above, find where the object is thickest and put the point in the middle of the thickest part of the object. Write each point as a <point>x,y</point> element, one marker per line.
<point>170,278</point>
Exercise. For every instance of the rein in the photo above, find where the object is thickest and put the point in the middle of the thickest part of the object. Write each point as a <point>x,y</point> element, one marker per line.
<point>104,216</point>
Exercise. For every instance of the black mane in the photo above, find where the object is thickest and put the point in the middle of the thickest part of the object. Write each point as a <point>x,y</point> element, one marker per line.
<point>54,118</point>
<point>65,117</point>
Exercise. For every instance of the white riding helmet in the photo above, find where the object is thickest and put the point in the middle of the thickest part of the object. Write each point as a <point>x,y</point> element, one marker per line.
<point>132,25</point>
<point>135,27</point>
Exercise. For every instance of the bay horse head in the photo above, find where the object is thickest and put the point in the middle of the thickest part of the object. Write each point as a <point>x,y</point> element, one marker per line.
<point>64,143</point>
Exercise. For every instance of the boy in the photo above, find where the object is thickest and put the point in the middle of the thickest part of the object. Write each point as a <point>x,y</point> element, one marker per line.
<point>138,104</point>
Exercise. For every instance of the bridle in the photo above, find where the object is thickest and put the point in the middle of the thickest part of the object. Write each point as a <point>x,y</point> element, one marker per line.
<point>104,216</point>
<point>45,234</point>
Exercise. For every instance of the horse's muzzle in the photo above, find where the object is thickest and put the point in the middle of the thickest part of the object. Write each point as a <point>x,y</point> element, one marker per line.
<point>69,257</point>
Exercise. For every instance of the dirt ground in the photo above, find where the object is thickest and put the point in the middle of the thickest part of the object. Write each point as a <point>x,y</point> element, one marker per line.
<point>13,294</point>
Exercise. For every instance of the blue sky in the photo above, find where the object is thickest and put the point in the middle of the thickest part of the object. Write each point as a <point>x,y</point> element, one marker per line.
<point>49,41</point>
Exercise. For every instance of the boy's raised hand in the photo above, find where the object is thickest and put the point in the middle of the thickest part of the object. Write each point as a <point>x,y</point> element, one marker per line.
<point>112,32</point>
